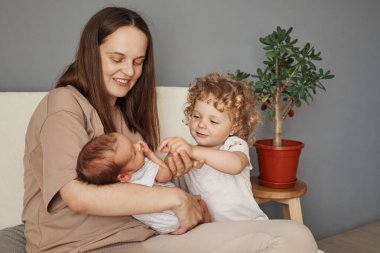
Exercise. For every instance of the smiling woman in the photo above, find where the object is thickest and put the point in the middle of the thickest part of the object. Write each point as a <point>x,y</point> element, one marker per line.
<point>122,56</point>
<point>100,92</point>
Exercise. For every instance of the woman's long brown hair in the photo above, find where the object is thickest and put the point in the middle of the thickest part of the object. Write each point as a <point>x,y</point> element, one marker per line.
<point>139,106</point>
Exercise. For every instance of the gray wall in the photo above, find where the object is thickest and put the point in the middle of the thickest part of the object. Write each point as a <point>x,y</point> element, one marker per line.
<point>340,161</point>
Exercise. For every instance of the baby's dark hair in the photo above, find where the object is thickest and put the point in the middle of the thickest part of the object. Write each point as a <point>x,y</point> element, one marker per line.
<point>95,164</point>
<point>230,95</point>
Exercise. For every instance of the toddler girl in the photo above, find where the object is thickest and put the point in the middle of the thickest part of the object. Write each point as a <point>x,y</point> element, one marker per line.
<point>222,118</point>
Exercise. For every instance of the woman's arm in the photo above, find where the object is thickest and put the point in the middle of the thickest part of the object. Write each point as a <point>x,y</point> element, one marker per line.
<point>122,199</point>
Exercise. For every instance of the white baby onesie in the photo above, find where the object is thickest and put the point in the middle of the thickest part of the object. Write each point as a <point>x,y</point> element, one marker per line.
<point>166,221</point>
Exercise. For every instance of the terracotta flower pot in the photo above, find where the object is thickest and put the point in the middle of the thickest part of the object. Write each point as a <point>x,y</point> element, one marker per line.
<point>278,165</point>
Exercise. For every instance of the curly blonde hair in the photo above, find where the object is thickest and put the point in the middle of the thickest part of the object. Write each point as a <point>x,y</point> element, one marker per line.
<point>229,95</point>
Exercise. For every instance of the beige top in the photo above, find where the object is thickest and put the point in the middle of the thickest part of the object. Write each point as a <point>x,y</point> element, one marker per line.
<point>60,126</point>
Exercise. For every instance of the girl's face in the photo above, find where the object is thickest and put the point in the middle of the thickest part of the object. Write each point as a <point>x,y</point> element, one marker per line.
<point>122,56</point>
<point>129,155</point>
<point>208,126</point>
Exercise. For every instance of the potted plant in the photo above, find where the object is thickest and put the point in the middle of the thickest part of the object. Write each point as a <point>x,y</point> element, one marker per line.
<point>289,78</point>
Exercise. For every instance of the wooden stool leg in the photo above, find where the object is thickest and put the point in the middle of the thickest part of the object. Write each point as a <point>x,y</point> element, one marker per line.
<point>295,211</point>
<point>285,210</point>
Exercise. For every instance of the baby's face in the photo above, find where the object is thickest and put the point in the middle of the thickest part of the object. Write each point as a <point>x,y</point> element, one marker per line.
<point>128,154</point>
<point>208,126</point>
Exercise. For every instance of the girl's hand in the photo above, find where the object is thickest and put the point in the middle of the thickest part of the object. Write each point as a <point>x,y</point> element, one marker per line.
<point>178,158</point>
<point>176,144</point>
<point>189,213</point>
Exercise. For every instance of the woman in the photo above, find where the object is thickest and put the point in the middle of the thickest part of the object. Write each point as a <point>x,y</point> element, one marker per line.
<point>110,87</point>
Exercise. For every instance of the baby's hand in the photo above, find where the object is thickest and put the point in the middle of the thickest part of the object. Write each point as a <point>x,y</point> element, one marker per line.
<point>145,148</point>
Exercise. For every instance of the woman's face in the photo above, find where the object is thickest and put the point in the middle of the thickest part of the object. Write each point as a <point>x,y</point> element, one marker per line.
<point>122,56</point>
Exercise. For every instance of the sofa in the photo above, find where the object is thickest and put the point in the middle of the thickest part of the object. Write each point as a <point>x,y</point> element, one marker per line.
<point>16,109</point>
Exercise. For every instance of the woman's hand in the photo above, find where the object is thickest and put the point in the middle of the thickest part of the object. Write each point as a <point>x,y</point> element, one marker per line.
<point>190,213</point>
<point>206,216</point>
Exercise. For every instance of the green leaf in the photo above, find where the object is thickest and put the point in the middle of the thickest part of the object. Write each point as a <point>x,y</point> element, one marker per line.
<point>320,85</point>
<point>294,41</point>
<point>307,47</point>
<point>259,85</point>
<point>302,94</point>
<point>267,47</point>
<point>260,73</point>
<point>291,89</point>
<point>239,75</point>
<point>265,41</point>
<point>289,31</point>
<point>271,54</point>
<point>309,95</point>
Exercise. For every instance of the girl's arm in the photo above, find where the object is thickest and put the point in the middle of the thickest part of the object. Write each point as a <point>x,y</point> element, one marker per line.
<point>225,161</point>
<point>164,174</point>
